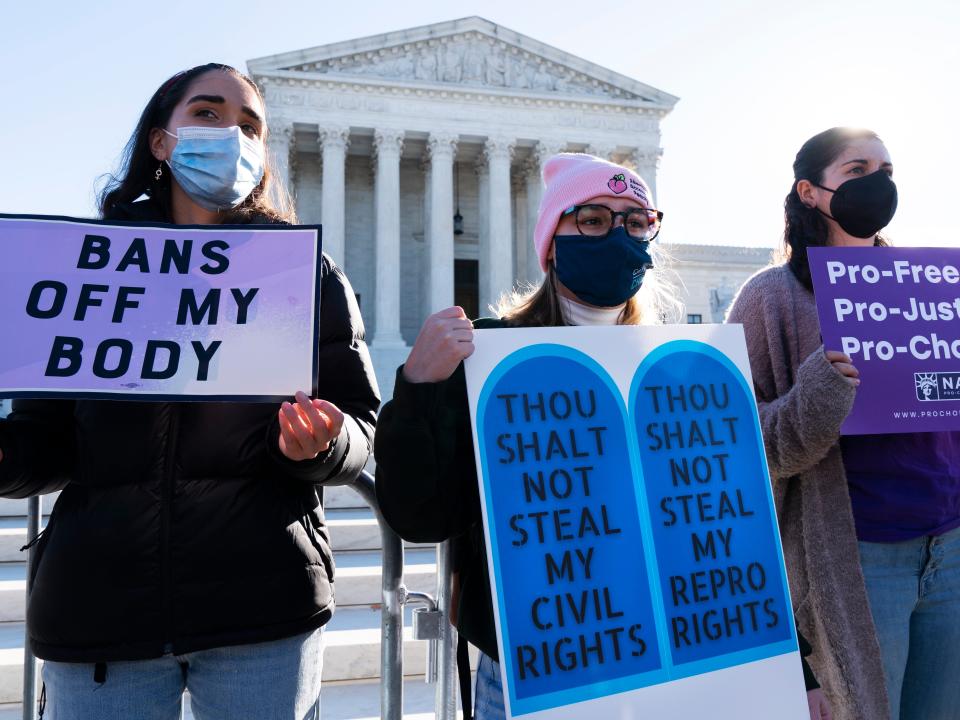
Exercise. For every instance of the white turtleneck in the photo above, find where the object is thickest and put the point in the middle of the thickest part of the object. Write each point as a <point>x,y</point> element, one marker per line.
<point>579,314</point>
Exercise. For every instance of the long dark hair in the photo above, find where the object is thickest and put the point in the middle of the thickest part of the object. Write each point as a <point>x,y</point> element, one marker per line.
<point>804,226</point>
<point>138,166</point>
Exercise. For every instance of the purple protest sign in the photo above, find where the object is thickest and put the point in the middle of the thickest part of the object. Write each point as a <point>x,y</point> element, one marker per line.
<point>151,311</point>
<point>896,313</point>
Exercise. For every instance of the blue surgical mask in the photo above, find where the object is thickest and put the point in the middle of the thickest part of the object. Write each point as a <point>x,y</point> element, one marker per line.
<point>605,271</point>
<point>217,167</point>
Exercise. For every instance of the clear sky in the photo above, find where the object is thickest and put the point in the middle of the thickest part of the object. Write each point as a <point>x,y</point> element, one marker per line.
<point>756,78</point>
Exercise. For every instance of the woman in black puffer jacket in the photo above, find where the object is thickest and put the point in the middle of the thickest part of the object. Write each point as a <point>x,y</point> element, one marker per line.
<point>188,547</point>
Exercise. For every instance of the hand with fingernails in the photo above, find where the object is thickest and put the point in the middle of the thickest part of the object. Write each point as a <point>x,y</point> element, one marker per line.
<point>844,365</point>
<point>444,341</point>
<point>308,426</point>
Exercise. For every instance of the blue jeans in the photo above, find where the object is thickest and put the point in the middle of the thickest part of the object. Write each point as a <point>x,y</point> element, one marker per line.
<point>488,699</point>
<point>279,679</point>
<point>914,591</point>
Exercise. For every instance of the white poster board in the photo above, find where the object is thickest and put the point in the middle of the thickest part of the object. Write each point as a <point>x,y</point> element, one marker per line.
<point>631,537</point>
<point>148,311</point>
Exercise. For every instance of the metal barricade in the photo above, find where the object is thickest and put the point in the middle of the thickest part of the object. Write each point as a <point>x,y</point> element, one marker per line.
<point>446,695</point>
<point>34,506</point>
<point>391,619</point>
<point>431,622</point>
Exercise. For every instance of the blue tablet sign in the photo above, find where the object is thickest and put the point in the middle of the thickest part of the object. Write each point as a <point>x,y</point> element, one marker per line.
<point>575,600</point>
<point>713,525</point>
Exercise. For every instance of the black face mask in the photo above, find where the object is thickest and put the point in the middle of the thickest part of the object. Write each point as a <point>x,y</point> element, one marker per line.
<point>862,207</point>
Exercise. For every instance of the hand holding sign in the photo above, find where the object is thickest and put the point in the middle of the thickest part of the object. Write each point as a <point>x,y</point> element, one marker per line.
<point>844,365</point>
<point>819,707</point>
<point>308,428</point>
<point>445,340</point>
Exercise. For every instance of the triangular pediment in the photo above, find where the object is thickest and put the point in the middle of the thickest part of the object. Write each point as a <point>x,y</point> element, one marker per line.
<point>471,52</point>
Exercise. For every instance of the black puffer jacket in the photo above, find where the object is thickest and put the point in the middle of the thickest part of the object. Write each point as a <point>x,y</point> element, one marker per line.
<point>181,527</point>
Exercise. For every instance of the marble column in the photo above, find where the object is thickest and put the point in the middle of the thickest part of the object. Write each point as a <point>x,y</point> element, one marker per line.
<point>442,148</point>
<point>496,264</point>
<point>333,149</point>
<point>534,178</point>
<point>602,150</point>
<point>521,239</point>
<point>646,161</point>
<point>387,348</point>
<point>483,229</point>
<point>280,145</point>
<point>534,184</point>
<point>387,146</point>
<point>425,167</point>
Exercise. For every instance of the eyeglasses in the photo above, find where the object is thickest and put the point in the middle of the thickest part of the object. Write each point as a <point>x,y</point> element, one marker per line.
<point>597,221</point>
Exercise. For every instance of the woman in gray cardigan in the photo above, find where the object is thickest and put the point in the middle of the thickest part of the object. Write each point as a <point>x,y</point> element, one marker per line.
<point>870,524</point>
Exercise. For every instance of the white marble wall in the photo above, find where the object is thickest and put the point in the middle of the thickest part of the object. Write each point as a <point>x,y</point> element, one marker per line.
<point>708,269</point>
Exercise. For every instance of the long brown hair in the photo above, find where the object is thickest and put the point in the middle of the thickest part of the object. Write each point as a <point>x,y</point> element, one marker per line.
<point>137,175</point>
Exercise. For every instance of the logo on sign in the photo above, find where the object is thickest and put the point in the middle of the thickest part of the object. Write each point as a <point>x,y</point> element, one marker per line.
<point>937,386</point>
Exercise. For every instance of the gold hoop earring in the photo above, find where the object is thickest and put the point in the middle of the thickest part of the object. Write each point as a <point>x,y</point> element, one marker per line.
<point>158,173</point>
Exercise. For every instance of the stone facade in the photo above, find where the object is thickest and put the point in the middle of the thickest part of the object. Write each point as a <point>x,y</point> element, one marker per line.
<point>385,139</point>
<point>710,276</point>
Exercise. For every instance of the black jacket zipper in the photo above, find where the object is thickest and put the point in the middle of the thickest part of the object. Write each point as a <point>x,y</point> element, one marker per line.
<point>166,501</point>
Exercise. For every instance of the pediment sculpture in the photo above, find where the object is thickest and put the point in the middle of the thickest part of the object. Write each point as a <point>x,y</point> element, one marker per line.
<point>476,60</point>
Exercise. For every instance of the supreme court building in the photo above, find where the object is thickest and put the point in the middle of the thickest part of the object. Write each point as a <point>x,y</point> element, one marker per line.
<point>420,153</point>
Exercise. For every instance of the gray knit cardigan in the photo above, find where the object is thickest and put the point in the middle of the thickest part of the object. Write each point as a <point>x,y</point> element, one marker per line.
<point>802,402</point>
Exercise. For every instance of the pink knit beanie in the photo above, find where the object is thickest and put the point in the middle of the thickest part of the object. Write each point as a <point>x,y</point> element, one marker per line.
<point>571,179</point>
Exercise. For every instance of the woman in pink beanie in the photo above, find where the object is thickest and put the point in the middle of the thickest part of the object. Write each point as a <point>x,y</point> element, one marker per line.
<point>594,237</point>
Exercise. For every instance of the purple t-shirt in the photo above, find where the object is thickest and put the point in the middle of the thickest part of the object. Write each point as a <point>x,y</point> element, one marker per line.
<point>903,486</point>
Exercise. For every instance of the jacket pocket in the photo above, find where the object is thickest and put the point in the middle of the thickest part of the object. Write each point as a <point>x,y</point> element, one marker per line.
<point>38,545</point>
<point>321,545</point>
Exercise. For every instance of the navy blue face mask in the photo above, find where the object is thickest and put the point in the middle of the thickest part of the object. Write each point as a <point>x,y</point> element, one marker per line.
<point>606,271</point>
